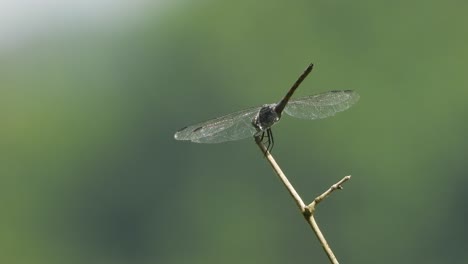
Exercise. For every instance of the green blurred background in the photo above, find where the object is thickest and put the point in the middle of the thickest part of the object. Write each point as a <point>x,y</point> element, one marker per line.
<point>92,93</point>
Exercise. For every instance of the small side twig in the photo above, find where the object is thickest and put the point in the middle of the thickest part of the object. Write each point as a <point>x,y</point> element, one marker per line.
<point>334,187</point>
<point>306,210</point>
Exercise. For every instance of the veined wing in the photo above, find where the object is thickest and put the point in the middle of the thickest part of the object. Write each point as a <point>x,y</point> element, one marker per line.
<point>321,105</point>
<point>234,126</point>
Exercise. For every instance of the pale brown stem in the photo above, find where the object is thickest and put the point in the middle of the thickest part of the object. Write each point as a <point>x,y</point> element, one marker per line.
<point>307,211</point>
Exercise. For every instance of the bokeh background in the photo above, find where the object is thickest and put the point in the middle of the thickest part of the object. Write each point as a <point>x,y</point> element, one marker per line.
<point>91,93</point>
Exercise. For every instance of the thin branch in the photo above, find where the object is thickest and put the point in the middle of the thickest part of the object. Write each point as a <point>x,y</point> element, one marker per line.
<point>281,175</point>
<point>307,211</point>
<point>334,187</point>
<point>331,256</point>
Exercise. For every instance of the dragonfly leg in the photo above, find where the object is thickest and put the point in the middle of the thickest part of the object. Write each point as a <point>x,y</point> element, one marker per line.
<point>271,141</point>
<point>266,138</point>
<point>262,136</point>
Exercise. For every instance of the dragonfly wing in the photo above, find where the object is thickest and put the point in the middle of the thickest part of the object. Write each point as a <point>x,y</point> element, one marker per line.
<point>321,105</point>
<point>230,127</point>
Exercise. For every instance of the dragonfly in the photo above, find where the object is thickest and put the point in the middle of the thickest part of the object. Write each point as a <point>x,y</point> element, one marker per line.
<point>258,121</point>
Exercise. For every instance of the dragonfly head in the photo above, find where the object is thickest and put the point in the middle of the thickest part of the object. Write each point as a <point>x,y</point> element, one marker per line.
<point>266,117</point>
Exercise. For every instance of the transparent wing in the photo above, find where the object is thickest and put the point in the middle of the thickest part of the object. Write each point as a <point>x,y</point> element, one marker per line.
<point>233,126</point>
<point>321,105</point>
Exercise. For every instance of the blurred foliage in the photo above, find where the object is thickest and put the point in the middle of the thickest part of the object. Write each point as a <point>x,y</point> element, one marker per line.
<point>91,173</point>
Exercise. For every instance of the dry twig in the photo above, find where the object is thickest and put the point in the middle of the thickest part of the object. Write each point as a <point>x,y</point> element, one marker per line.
<point>306,210</point>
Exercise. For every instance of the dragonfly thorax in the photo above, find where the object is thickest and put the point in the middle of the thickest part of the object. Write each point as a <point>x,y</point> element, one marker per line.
<point>266,117</point>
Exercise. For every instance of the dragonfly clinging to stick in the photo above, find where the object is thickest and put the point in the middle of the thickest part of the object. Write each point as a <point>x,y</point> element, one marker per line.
<point>257,121</point>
